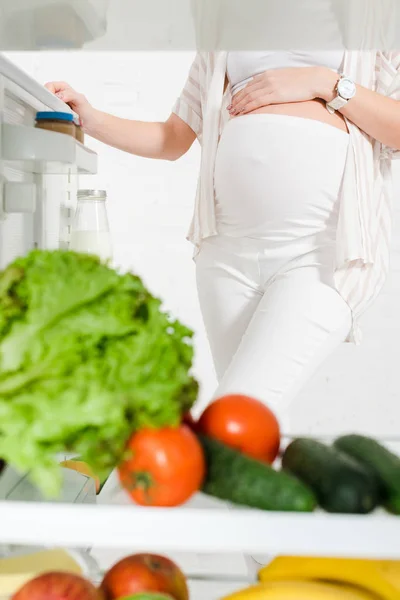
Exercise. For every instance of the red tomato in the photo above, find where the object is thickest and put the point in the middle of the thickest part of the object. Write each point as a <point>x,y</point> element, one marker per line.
<point>167,466</point>
<point>243,423</point>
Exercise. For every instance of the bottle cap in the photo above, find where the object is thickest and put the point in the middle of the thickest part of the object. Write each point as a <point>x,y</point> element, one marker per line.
<point>54,116</point>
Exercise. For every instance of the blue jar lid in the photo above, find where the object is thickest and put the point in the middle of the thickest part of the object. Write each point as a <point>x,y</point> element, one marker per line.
<point>52,116</point>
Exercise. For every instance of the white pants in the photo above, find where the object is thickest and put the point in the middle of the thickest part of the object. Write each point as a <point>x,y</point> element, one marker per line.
<point>265,284</point>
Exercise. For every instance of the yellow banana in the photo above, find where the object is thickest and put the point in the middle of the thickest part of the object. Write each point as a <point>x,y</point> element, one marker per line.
<point>301,590</point>
<point>379,577</point>
<point>390,571</point>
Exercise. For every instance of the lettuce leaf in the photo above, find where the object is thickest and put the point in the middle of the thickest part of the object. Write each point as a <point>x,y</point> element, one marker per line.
<point>87,357</point>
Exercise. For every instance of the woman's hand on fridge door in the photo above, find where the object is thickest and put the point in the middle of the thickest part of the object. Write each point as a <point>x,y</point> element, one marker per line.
<point>78,102</point>
<point>167,140</point>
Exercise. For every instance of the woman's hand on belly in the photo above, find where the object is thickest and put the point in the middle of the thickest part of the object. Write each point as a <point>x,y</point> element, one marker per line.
<point>282,86</point>
<point>295,92</point>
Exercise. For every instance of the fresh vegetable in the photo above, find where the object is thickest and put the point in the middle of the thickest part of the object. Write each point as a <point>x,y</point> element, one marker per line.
<point>383,464</point>
<point>144,573</point>
<point>375,576</point>
<point>241,479</point>
<point>58,586</point>
<point>86,358</point>
<point>83,468</point>
<point>301,590</point>
<point>242,423</point>
<point>165,468</point>
<point>340,484</point>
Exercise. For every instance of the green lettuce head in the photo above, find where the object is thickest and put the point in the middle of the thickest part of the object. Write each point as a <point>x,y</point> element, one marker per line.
<point>87,357</point>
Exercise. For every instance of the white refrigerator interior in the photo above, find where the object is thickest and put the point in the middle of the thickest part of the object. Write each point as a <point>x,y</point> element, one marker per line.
<point>39,178</point>
<point>39,170</point>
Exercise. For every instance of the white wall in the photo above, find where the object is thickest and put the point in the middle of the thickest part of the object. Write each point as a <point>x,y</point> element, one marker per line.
<point>150,208</point>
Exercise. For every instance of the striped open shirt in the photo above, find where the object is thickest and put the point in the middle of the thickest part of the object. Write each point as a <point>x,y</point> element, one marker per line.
<point>365,215</point>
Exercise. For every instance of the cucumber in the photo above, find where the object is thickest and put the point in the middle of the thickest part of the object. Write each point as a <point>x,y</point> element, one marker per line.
<point>382,463</point>
<point>243,480</point>
<point>340,483</point>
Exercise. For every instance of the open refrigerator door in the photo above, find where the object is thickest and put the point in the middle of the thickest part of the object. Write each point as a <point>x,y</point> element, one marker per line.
<point>56,24</point>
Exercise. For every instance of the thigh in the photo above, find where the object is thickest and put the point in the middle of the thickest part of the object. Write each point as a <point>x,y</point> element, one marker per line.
<point>297,324</point>
<point>227,283</point>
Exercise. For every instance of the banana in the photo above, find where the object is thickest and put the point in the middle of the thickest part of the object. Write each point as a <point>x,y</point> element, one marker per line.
<point>390,570</point>
<point>378,577</point>
<point>301,590</point>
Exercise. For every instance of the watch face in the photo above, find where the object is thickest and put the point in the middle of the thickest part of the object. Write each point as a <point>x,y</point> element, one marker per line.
<point>346,88</point>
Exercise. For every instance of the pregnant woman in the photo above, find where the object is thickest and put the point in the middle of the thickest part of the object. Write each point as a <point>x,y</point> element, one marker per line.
<point>292,216</point>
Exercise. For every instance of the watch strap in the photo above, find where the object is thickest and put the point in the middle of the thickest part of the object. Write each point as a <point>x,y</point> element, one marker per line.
<point>336,104</point>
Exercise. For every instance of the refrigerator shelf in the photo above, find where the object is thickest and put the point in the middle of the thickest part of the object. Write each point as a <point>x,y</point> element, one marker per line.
<point>46,152</point>
<point>203,525</point>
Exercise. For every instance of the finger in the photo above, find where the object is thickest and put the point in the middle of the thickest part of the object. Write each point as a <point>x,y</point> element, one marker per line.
<point>51,87</point>
<point>57,86</point>
<point>246,97</point>
<point>258,80</point>
<point>262,100</point>
<point>69,96</point>
<point>250,93</point>
<point>251,86</point>
<point>252,97</point>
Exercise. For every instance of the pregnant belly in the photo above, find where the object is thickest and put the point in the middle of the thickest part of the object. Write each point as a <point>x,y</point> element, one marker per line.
<point>313,109</point>
<point>278,176</point>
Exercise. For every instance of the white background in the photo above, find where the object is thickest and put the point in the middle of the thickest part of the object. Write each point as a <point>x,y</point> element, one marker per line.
<point>150,206</point>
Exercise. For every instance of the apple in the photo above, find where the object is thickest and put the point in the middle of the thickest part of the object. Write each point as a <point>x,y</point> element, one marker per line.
<point>58,586</point>
<point>144,573</point>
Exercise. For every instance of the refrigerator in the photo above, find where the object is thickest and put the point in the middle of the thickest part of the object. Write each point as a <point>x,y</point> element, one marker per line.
<point>39,179</point>
<point>39,170</point>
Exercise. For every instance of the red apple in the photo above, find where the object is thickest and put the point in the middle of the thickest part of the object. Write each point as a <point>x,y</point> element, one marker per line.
<point>58,586</point>
<point>145,573</point>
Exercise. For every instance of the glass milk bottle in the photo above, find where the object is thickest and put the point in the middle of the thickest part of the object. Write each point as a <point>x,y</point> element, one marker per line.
<point>90,232</point>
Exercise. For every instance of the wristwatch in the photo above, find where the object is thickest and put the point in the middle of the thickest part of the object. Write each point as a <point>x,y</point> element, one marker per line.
<point>346,90</point>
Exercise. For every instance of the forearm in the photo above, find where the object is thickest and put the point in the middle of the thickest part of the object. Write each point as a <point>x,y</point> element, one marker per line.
<point>147,139</point>
<point>136,137</point>
<point>373,113</point>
